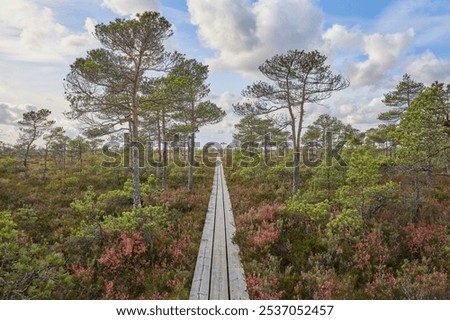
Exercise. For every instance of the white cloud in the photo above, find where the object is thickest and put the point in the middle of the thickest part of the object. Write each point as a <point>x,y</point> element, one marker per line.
<point>89,25</point>
<point>383,54</point>
<point>131,7</point>
<point>31,33</point>
<point>210,16</point>
<point>360,111</point>
<point>8,134</point>
<point>429,18</point>
<point>427,68</point>
<point>6,114</point>
<point>245,34</point>
<point>10,114</point>
<point>338,37</point>
<point>222,131</point>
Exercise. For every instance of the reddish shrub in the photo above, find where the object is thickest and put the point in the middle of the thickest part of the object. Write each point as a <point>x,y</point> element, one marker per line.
<point>323,284</point>
<point>382,286</point>
<point>370,251</point>
<point>123,266</point>
<point>259,228</point>
<point>263,287</point>
<point>419,280</point>
<point>177,253</point>
<point>426,239</point>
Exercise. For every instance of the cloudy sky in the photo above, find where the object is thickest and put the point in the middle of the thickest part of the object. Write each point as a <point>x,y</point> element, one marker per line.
<point>372,43</point>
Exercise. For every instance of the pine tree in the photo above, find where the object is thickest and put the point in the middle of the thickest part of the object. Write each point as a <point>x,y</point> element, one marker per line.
<point>52,138</point>
<point>33,125</point>
<point>104,89</point>
<point>192,110</point>
<point>423,135</point>
<point>364,191</point>
<point>401,98</point>
<point>297,78</point>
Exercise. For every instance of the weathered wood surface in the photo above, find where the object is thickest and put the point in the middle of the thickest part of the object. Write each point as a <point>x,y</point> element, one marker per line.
<point>218,273</point>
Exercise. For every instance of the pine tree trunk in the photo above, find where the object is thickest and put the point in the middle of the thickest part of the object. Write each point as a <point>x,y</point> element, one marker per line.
<point>296,176</point>
<point>158,174</point>
<point>165,166</point>
<point>297,149</point>
<point>44,174</point>
<point>191,156</point>
<point>25,164</point>
<point>80,156</point>
<point>266,149</point>
<point>159,163</point>
<point>165,160</point>
<point>135,172</point>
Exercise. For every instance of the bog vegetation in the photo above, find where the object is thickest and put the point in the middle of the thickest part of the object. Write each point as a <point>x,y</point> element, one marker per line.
<point>117,212</point>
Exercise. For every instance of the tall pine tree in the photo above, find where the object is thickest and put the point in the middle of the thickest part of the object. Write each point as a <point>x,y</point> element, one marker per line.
<point>104,89</point>
<point>296,79</point>
<point>401,98</point>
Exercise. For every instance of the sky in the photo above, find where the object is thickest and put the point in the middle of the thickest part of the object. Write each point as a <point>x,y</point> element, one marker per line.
<point>371,43</point>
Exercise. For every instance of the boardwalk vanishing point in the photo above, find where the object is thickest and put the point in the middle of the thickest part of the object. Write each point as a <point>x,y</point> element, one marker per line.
<point>218,273</point>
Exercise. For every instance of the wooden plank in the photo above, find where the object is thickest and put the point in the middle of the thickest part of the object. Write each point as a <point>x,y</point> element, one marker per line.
<point>219,268</point>
<point>237,280</point>
<point>202,273</point>
<point>218,273</point>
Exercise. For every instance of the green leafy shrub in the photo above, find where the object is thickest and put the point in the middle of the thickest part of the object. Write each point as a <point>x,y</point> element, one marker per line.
<point>29,270</point>
<point>8,165</point>
<point>315,212</point>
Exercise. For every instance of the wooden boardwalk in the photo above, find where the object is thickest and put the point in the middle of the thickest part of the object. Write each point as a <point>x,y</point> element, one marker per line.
<point>218,273</point>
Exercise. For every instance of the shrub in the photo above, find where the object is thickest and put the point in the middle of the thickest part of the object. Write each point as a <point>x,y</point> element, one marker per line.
<point>418,280</point>
<point>29,270</point>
